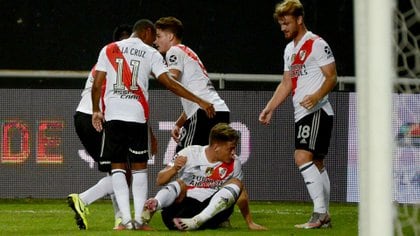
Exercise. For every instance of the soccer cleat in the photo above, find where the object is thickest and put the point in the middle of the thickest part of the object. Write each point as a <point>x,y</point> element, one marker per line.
<point>79,209</point>
<point>317,220</point>
<point>117,221</point>
<point>126,226</point>
<point>187,223</point>
<point>149,209</point>
<point>144,227</point>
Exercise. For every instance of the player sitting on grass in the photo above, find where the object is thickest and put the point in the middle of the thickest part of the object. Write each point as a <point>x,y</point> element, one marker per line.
<point>209,185</point>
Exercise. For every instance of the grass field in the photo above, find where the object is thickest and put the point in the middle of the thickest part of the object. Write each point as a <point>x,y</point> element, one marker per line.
<point>54,217</point>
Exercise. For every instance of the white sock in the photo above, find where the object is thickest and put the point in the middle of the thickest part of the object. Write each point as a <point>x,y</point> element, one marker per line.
<point>167,195</point>
<point>139,189</point>
<point>327,188</point>
<point>220,201</point>
<point>313,182</point>
<point>122,194</point>
<point>117,212</point>
<point>97,191</point>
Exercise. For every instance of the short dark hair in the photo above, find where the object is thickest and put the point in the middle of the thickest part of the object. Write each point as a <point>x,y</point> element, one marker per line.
<point>142,25</point>
<point>121,30</point>
<point>222,132</point>
<point>171,24</point>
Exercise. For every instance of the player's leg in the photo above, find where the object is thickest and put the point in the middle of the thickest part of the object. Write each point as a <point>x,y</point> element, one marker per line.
<point>220,201</point>
<point>138,156</point>
<point>186,208</point>
<point>91,141</point>
<point>164,198</point>
<point>115,149</point>
<point>309,134</point>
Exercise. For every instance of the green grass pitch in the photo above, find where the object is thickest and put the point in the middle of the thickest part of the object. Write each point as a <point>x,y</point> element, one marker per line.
<point>54,217</point>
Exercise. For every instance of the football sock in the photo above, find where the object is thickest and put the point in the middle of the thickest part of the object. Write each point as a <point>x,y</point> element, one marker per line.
<point>139,189</point>
<point>220,201</point>
<point>314,184</point>
<point>167,195</point>
<point>122,193</point>
<point>327,187</point>
<point>117,212</point>
<point>97,191</point>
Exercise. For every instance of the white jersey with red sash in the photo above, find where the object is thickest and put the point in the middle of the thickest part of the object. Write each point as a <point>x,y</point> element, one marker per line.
<point>128,64</point>
<point>85,104</point>
<point>303,62</point>
<point>194,77</point>
<point>203,178</point>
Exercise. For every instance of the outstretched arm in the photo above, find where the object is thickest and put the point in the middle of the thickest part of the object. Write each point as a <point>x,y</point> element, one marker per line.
<point>282,92</point>
<point>243,204</point>
<point>178,89</point>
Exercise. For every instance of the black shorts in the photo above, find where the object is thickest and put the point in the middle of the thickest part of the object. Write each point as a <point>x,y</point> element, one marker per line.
<point>313,133</point>
<point>197,128</point>
<point>125,142</point>
<point>190,207</point>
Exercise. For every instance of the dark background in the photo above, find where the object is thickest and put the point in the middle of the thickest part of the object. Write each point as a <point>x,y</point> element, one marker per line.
<point>230,36</point>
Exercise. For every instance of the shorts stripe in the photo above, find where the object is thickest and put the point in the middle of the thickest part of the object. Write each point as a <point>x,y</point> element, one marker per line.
<point>189,137</point>
<point>314,129</point>
<point>103,143</point>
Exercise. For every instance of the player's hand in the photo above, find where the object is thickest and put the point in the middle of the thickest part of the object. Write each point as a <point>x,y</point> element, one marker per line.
<point>176,133</point>
<point>254,226</point>
<point>179,162</point>
<point>309,101</point>
<point>208,108</point>
<point>265,116</point>
<point>97,120</point>
<point>153,145</point>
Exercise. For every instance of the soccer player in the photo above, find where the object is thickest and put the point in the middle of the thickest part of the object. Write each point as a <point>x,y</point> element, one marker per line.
<point>309,76</point>
<point>125,67</point>
<point>186,67</point>
<point>91,141</point>
<point>193,126</point>
<point>209,184</point>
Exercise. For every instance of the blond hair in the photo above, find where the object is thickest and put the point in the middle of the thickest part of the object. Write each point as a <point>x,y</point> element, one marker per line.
<point>288,8</point>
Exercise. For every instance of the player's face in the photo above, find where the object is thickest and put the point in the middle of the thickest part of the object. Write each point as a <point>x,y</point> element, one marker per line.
<point>163,40</point>
<point>289,26</point>
<point>226,151</point>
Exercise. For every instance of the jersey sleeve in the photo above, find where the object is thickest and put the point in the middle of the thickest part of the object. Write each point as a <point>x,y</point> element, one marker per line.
<point>322,52</point>
<point>102,60</point>
<point>237,171</point>
<point>158,64</point>
<point>175,59</point>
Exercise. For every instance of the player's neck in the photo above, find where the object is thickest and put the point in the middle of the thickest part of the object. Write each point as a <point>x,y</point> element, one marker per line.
<point>211,154</point>
<point>300,35</point>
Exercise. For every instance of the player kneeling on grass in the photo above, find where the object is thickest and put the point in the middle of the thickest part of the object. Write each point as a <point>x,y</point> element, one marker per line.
<point>209,184</point>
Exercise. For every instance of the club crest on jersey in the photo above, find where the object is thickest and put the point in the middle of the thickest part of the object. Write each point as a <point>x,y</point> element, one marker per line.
<point>302,55</point>
<point>209,171</point>
<point>222,172</point>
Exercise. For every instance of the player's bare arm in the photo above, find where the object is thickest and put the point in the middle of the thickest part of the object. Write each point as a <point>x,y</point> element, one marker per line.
<point>330,73</point>
<point>165,176</point>
<point>181,91</point>
<point>97,116</point>
<point>282,92</point>
<point>176,74</point>
<point>175,133</point>
<point>243,205</point>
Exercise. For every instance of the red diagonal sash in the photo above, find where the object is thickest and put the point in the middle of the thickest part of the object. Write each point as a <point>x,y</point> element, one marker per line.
<point>193,56</point>
<point>113,52</point>
<point>299,60</point>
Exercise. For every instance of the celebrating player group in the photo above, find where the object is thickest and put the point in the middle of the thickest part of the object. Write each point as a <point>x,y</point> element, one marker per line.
<point>204,181</point>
